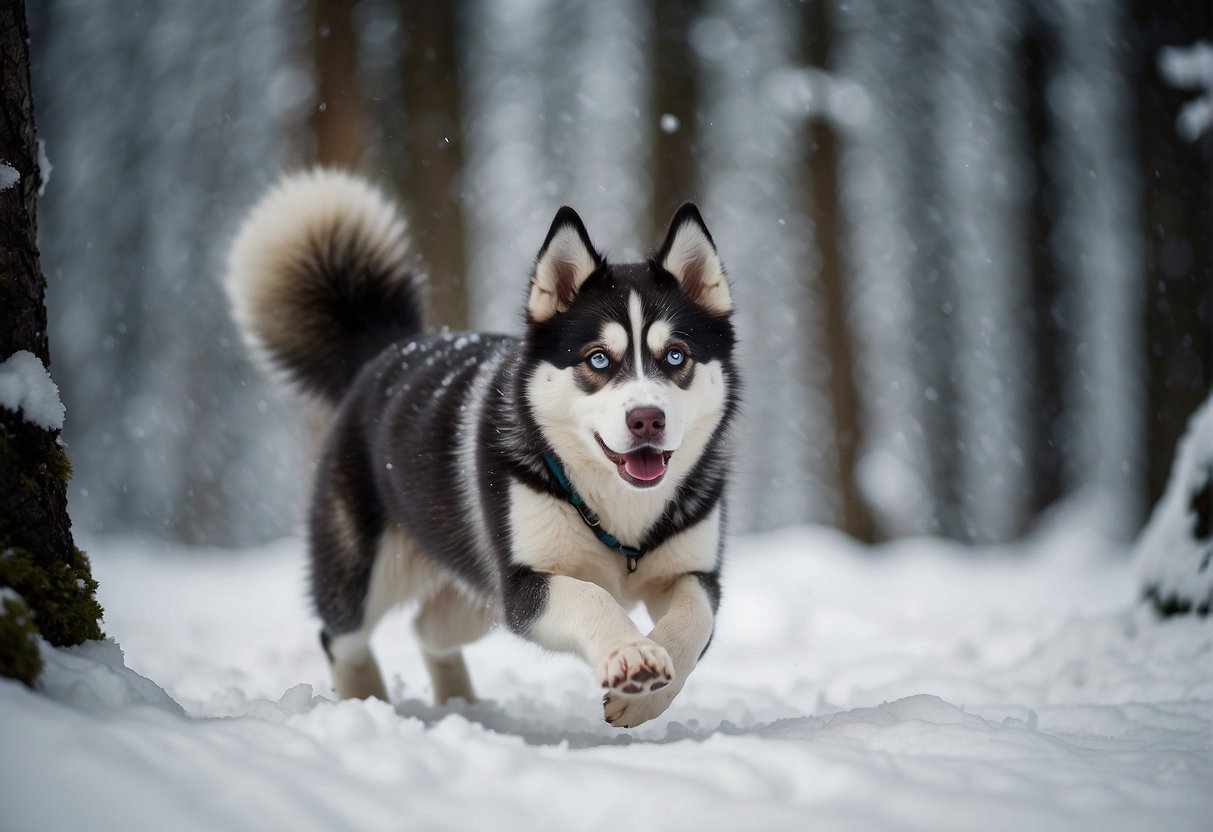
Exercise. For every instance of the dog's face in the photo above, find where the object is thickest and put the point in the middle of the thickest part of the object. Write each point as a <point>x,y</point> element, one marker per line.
<point>629,364</point>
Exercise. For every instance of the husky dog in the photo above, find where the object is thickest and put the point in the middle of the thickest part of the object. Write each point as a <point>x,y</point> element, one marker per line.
<point>546,483</point>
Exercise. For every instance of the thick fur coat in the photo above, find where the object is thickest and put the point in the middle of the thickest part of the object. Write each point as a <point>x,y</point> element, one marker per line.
<point>545,483</point>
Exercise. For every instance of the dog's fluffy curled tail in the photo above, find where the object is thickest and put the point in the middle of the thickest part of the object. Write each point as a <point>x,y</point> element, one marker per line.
<point>318,280</point>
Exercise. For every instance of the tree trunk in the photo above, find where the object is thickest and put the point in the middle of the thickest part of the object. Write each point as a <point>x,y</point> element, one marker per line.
<point>675,102</point>
<point>43,571</point>
<point>927,218</point>
<point>853,515</point>
<point>1046,312</point>
<point>435,154</point>
<point>336,122</point>
<point>1178,223</point>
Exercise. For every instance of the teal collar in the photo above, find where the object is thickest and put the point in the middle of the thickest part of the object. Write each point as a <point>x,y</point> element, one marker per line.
<point>591,519</point>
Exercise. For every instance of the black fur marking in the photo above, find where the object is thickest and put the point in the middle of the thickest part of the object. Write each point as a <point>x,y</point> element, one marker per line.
<point>561,339</point>
<point>526,595</point>
<point>399,455</point>
<point>1201,507</point>
<point>346,524</point>
<point>703,488</point>
<point>1171,605</point>
<point>686,215</point>
<point>708,336</point>
<point>417,446</point>
<point>688,212</point>
<point>565,287</point>
<point>346,307</point>
<point>710,581</point>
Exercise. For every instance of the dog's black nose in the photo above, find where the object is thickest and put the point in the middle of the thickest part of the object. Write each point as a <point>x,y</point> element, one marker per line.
<point>646,422</point>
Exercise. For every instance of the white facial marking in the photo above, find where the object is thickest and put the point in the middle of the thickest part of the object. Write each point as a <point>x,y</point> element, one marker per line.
<point>636,317</point>
<point>658,337</point>
<point>616,339</point>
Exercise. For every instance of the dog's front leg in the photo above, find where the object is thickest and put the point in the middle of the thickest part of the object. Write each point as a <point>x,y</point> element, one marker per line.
<point>685,617</point>
<point>570,615</point>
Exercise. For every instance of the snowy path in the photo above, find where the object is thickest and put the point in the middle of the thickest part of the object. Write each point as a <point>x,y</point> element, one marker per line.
<point>924,688</point>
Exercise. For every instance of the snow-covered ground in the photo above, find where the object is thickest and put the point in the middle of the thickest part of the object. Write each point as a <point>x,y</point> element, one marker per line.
<point>923,686</point>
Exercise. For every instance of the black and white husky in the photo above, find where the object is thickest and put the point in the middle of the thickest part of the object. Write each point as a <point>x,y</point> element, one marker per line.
<point>546,483</point>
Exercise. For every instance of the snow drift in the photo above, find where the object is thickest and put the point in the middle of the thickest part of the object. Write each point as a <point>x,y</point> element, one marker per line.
<point>921,686</point>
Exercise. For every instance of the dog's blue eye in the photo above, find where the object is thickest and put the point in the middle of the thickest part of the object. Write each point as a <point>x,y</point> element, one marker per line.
<point>599,360</point>
<point>675,357</point>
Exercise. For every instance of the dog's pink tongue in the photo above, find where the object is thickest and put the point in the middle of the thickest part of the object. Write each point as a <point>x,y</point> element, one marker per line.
<point>646,464</point>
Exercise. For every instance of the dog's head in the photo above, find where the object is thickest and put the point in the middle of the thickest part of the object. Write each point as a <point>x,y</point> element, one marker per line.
<point>629,365</point>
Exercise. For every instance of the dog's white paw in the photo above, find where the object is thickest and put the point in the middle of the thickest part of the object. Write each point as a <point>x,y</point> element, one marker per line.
<point>636,668</point>
<point>624,711</point>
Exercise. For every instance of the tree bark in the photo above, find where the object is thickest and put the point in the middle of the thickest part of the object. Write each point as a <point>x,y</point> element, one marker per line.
<point>1047,315</point>
<point>337,121</point>
<point>40,562</point>
<point>435,154</point>
<point>926,220</point>
<point>854,517</point>
<point>1178,222</point>
<point>675,94</point>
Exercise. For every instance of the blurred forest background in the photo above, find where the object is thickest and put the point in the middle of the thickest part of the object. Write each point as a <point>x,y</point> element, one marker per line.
<point>970,241</point>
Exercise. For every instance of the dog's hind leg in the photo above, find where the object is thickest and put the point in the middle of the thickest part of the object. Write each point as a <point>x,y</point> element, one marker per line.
<point>446,621</point>
<point>396,574</point>
<point>355,672</point>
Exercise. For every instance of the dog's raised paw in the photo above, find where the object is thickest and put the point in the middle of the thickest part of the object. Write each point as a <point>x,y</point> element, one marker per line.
<point>636,668</point>
<point>628,711</point>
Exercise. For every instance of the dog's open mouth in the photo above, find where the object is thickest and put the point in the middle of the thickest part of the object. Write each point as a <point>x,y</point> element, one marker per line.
<point>642,467</point>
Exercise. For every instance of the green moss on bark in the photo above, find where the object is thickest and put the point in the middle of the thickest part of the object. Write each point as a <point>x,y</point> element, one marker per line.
<point>38,559</point>
<point>37,556</point>
<point>60,595</point>
<point>20,658</point>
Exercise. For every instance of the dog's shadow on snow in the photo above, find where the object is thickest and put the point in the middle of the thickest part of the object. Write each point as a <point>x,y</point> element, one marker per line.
<point>537,728</point>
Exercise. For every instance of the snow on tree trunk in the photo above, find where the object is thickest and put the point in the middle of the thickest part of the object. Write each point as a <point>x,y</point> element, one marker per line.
<point>987,207</point>
<point>875,196</point>
<point>1175,550</point>
<point>508,207</point>
<point>46,585</point>
<point>1099,249</point>
<point>1176,221</point>
<point>757,214</point>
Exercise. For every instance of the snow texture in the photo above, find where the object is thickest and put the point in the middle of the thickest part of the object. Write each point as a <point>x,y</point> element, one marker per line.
<point>26,387</point>
<point>812,92</point>
<point>44,167</point>
<point>921,686</point>
<point>8,176</point>
<point>1173,553</point>
<point>1191,68</point>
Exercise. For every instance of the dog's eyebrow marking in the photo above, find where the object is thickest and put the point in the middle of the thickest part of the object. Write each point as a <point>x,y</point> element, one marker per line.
<point>636,317</point>
<point>616,339</point>
<point>659,336</point>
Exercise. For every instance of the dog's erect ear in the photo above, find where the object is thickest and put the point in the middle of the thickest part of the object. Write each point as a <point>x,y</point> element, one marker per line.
<point>566,259</point>
<point>689,254</point>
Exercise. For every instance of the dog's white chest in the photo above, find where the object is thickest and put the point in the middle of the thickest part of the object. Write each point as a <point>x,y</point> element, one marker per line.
<point>549,536</point>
